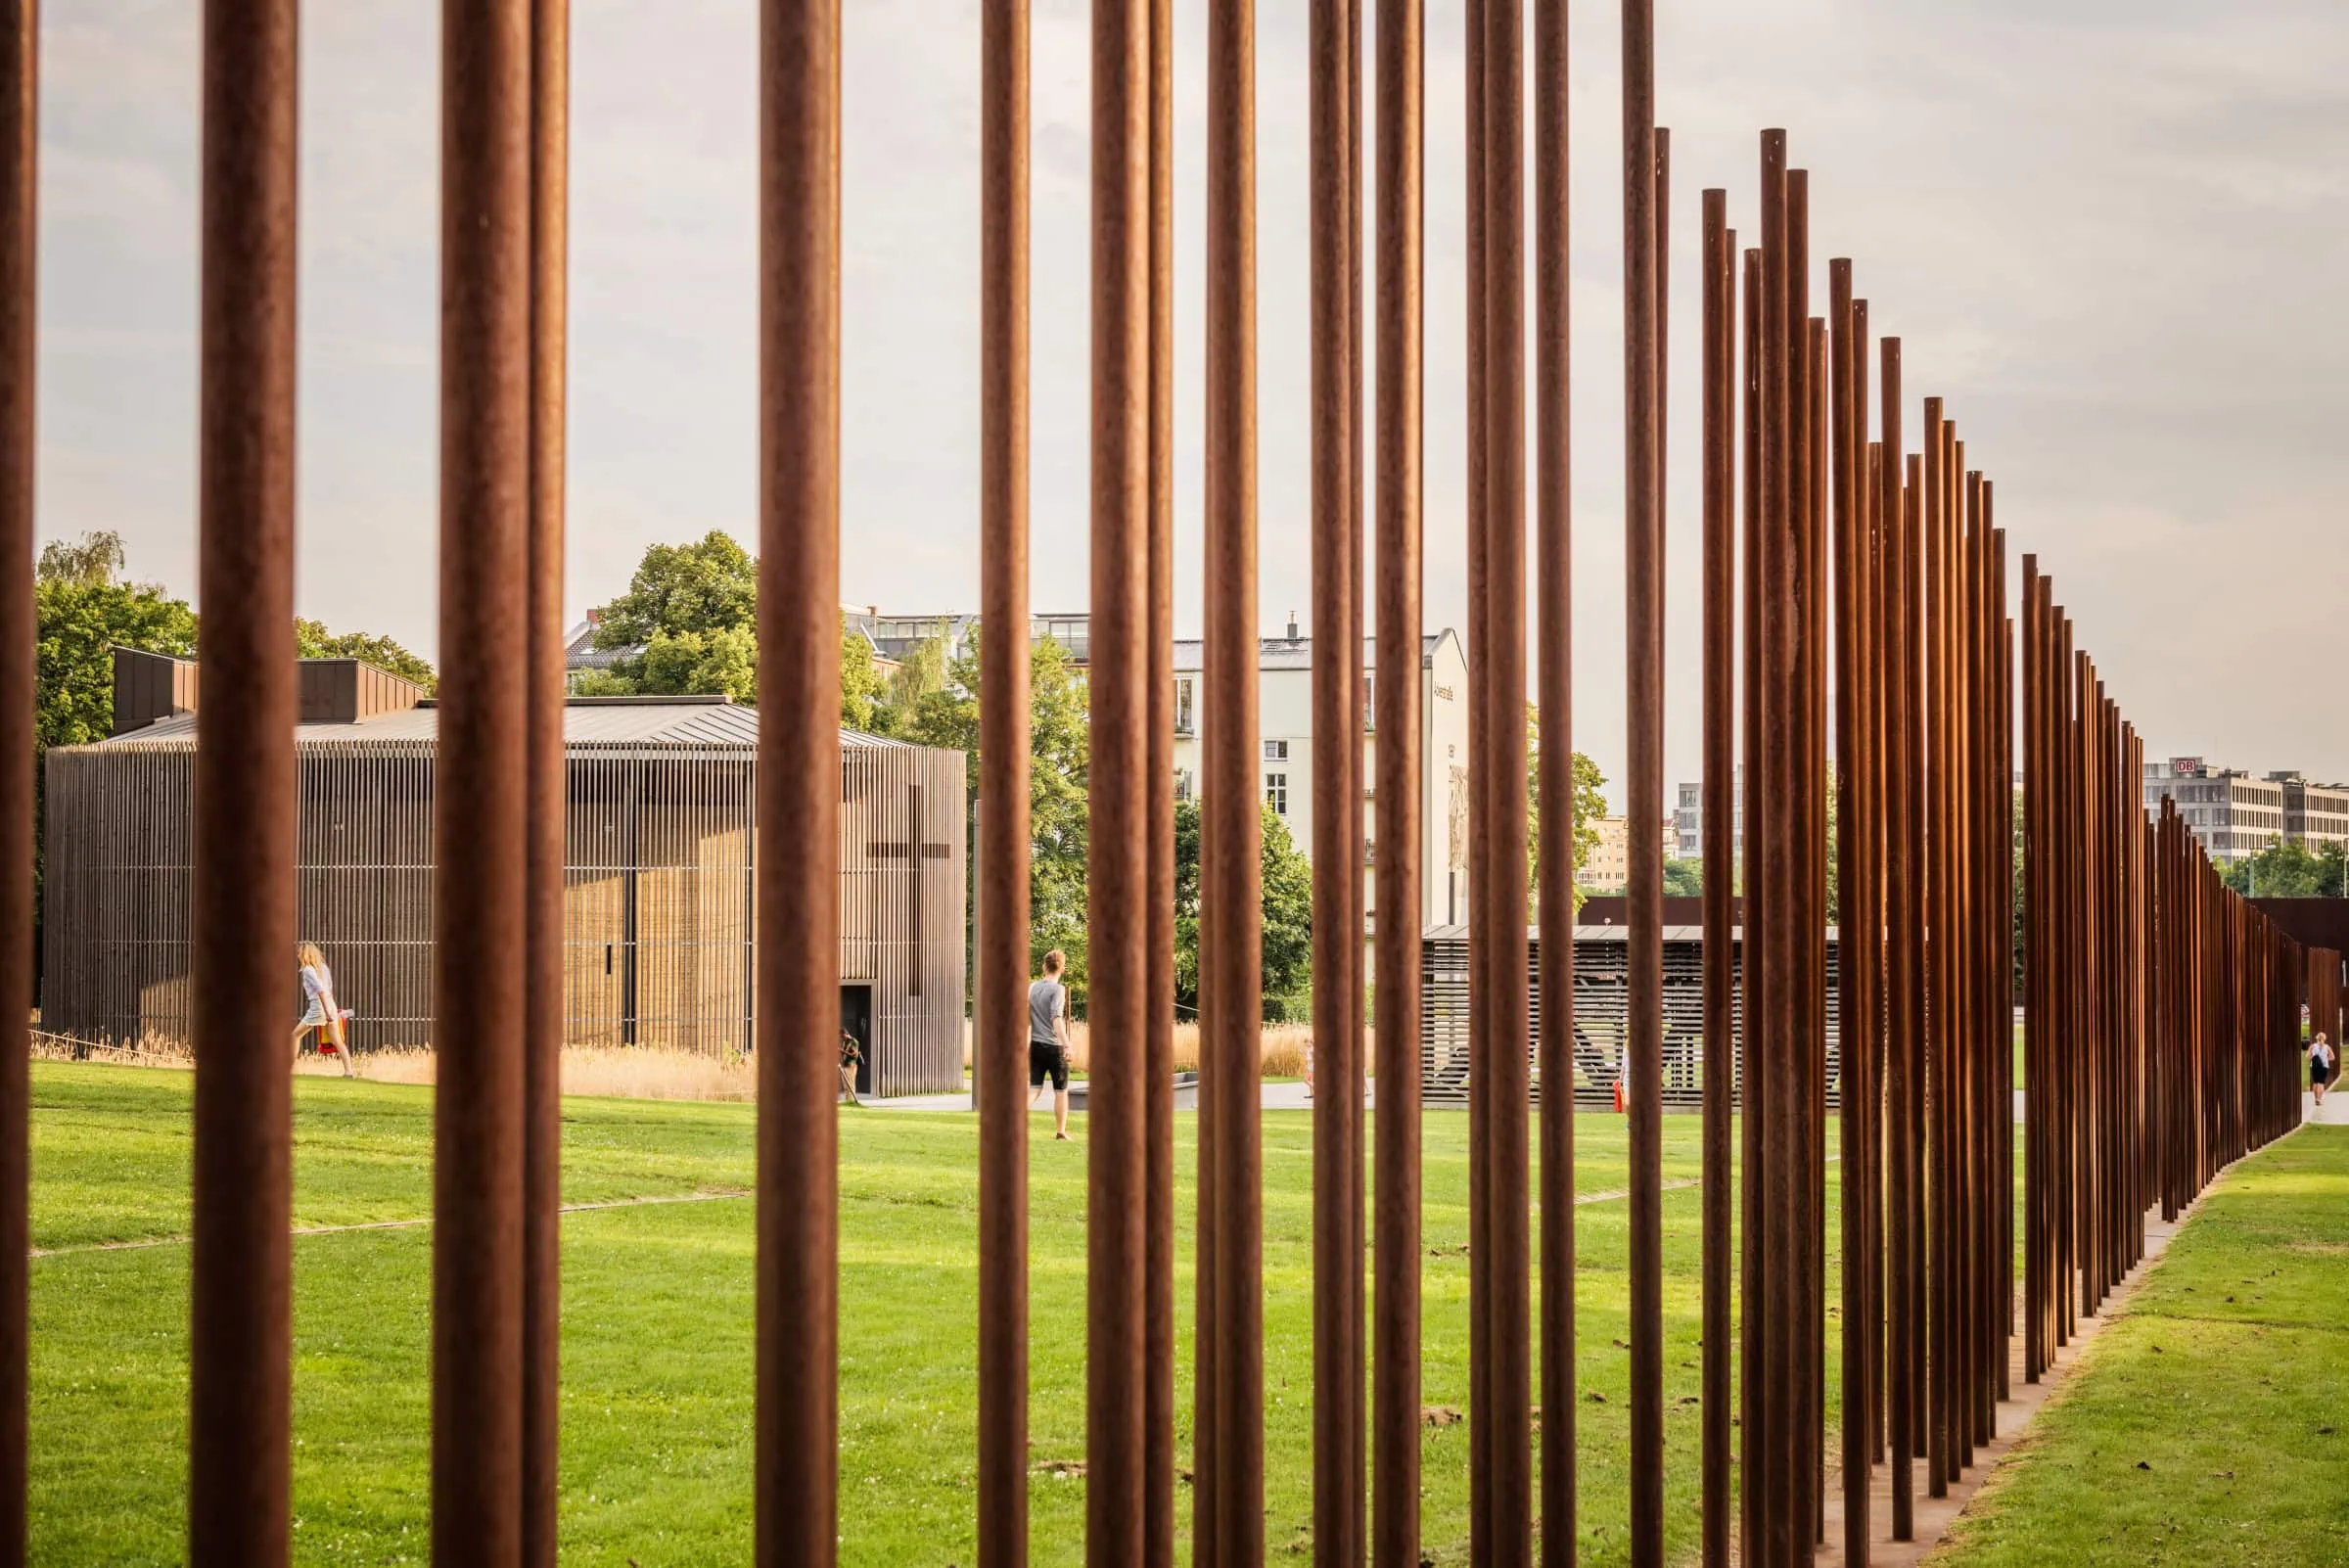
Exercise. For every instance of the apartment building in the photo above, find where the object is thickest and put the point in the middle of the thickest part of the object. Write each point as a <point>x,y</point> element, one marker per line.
<point>1285,738</point>
<point>1689,820</point>
<point>1609,867</point>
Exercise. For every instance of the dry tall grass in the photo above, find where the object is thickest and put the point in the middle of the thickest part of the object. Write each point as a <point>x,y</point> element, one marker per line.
<point>624,1072</point>
<point>1286,1048</point>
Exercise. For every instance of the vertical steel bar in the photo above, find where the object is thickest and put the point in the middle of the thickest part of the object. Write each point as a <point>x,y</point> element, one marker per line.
<point>1483,774</point>
<point>1818,656</point>
<point>1395,1387</point>
<point>1508,1330</point>
<point>799,782</point>
<point>1643,658</point>
<point>1752,1080</point>
<point>1719,807</point>
<point>20,145</point>
<point>1554,522</point>
<point>1230,947</point>
<point>241,1331</point>
<point>1158,1057</point>
<point>1338,1501</point>
<point>542,951</point>
<point>480,798</point>
<point>1000,1003</point>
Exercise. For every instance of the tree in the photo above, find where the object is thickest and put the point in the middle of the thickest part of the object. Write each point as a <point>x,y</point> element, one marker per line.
<point>311,640</point>
<point>84,610</point>
<point>688,627</point>
<point>1683,879</point>
<point>2286,870</point>
<point>1589,806</point>
<point>1060,753</point>
<point>1286,903</point>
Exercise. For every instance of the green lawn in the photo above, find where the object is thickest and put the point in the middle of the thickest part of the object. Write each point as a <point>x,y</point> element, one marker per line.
<point>2210,1424</point>
<point>656,1328</point>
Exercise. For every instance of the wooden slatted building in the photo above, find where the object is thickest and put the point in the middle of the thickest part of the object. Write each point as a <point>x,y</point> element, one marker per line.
<point>658,906</point>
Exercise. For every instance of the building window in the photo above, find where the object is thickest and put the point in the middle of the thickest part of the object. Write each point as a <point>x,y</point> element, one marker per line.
<point>1182,705</point>
<point>1369,702</point>
<point>1182,783</point>
<point>1276,751</point>
<point>1276,793</point>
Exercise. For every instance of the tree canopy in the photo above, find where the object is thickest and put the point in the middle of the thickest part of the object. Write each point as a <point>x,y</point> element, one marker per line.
<point>83,609</point>
<point>2288,870</point>
<point>313,640</point>
<point>1287,908</point>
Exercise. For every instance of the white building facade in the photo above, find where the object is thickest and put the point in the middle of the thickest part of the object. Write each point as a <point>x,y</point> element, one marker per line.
<point>1285,745</point>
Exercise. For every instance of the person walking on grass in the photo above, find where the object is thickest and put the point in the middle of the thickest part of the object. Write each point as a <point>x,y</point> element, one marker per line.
<point>318,1009</point>
<point>2323,1064</point>
<point>1048,1038</point>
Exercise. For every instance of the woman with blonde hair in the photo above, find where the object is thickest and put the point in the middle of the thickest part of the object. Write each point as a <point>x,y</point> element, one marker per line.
<point>318,1010</point>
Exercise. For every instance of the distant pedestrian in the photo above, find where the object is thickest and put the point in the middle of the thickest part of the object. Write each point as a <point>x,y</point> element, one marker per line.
<point>851,1057</point>
<point>318,1009</point>
<point>1048,1038</point>
<point>2323,1065</point>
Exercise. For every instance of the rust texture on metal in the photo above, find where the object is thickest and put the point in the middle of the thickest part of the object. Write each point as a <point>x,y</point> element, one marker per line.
<point>20,138</point>
<point>240,1349</point>
<point>480,821</point>
<point>1554,526</point>
<point>1644,661</point>
<point>1337,785</point>
<point>1228,1484</point>
<point>1000,1025</point>
<point>799,786</point>
<point>542,917</point>
<point>1720,667</point>
<point>1394,1415</point>
<point>1158,1063</point>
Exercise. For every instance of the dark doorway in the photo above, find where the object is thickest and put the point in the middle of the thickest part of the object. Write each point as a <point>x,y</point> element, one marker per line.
<point>856,1018</point>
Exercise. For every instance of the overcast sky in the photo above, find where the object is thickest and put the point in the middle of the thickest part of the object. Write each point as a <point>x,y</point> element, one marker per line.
<point>2111,232</point>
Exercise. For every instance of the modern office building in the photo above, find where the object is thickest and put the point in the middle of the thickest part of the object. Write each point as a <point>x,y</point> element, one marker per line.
<point>2231,813</point>
<point>1609,867</point>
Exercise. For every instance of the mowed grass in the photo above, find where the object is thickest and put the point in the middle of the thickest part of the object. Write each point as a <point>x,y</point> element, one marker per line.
<point>658,1316</point>
<point>2210,1423</point>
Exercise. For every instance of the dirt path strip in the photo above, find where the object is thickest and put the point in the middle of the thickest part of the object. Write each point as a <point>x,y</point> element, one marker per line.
<point>390,1224</point>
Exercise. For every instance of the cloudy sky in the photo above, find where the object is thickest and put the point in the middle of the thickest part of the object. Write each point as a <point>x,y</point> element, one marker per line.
<point>2111,232</point>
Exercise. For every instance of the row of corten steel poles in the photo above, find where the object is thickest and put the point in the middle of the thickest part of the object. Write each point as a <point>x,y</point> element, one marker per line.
<point>2163,1011</point>
<point>2163,1015</point>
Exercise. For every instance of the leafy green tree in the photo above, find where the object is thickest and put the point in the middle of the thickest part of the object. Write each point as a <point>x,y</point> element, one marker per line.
<point>1060,752</point>
<point>83,609</point>
<point>311,640</point>
<point>710,585</point>
<point>2287,870</point>
<point>1589,804</point>
<point>1683,879</point>
<point>864,686</point>
<point>1287,904</point>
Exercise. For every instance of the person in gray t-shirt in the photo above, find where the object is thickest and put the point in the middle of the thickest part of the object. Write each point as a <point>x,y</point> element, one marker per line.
<point>1048,1038</point>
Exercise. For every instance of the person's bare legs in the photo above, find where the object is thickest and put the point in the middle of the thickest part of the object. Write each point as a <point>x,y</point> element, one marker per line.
<point>1060,1114</point>
<point>300,1029</point>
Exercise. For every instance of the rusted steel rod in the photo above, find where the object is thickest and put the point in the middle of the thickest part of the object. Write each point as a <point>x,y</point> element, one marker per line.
<point>1643,662</point>
<point>1753,1080</point>
<point>797,957</point>
<point>1508,1343</point>
<point>1158,1056</point>
<point>1554,526</point>
<point>479,794</point>
<point>241,1346</point>
<point>1337,763</point>
<point>1232,994</point>
<point>1482,772</point>
<point>20,145</point>
<point>542,919</point>
<point>1720,808</point>
<point>1000,1005</point>
<point>1395,1328</point>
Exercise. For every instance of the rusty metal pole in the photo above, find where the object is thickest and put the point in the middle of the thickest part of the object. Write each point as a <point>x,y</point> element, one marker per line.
<point>798,956</point>
<point>1719,808</point>
<point>1394,1379</point>
<point>1554,523</point>
<point>1937,966</point>
<point>1508,1342</point>
<point>20,224</point>
<point>1338,1480</point>
<point>1158,1055</point>
<point>542,950</point>
<point>479,796</point>
<point>1482,774</point>
<point>1232,994</point>
<point>1752,1080</point>
<point>240,1349</point>
<point>1644,660</point>
<point>1817,658</point>
<point>999,997</point>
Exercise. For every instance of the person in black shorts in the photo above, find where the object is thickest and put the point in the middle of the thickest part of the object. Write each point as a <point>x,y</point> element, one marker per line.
<point>1048,1038</point>
<point>2323,1065</point>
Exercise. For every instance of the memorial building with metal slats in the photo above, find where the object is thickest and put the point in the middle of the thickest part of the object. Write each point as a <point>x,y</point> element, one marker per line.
<point>659,904</point>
